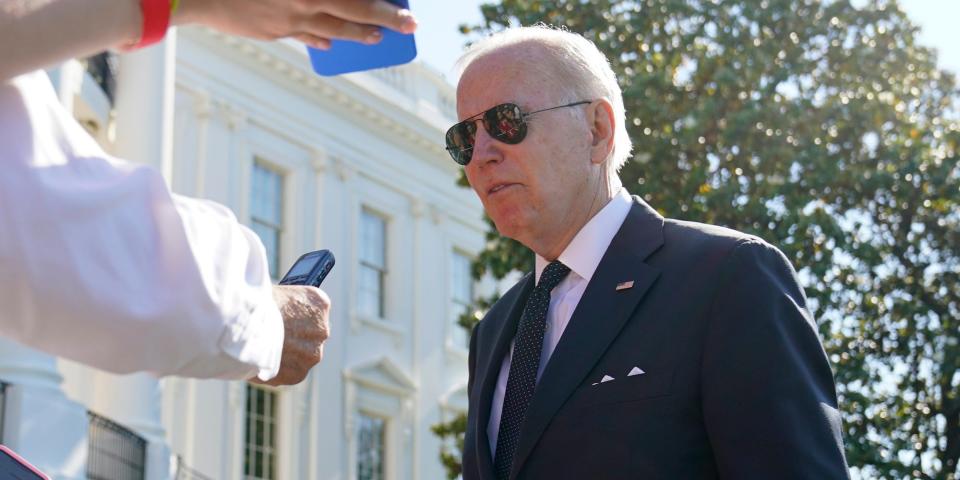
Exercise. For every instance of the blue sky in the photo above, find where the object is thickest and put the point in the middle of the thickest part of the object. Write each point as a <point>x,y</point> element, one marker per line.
<point>439,41</point>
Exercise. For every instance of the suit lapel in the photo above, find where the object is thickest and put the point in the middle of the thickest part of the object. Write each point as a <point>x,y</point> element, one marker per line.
<point>596,322</point>
<point>490,367</point>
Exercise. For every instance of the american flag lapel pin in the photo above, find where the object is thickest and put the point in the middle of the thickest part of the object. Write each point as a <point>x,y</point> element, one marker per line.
<point>625,285</point>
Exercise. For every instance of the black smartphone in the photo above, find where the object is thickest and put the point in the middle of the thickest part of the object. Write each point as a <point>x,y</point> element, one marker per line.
<point>15,467</point>
<point>310,269</point>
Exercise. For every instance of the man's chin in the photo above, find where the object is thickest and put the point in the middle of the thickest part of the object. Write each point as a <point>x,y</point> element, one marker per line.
<point>510,229</point>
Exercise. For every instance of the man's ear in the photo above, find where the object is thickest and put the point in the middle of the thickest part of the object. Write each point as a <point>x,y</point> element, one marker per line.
<point>602,123</point>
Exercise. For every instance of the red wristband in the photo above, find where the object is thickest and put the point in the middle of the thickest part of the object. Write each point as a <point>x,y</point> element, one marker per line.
<point>156,19</point>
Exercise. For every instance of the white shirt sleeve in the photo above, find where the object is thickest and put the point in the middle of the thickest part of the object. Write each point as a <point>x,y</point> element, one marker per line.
<point>102,264</point>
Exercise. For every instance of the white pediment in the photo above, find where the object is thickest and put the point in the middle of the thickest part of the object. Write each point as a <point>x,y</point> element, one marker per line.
<point>382,374</point>
<point>455,398</point>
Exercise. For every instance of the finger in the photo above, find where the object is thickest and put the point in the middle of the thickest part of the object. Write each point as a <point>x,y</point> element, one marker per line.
<point>314,41</point>
<point>329,26</point>
<point>374,12</point>
<point>320,297</point>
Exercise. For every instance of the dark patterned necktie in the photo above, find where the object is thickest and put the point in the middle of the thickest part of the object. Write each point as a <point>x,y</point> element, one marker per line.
<point>528,343</point>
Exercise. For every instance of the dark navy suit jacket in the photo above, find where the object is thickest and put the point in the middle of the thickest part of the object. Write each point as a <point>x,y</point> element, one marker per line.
<point>736,383</point>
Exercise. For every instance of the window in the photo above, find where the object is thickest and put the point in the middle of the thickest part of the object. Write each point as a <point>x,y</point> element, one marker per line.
<point>370,442</point>
<point>266,211</point>
<point>380,399</point>
<point>260,441</point>
<point>373,265</point>
<point>461,297</point>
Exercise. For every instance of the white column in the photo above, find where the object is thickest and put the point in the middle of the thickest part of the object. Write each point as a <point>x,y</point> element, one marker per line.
<point>66,81</point>
<point>144,105</point>
<point>40,422</point>
<point>240,163</point>
<point>419,209</point>
<point>144,134</point>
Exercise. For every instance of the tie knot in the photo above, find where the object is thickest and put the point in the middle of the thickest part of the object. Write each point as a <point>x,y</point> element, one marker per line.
<point>553,275</point>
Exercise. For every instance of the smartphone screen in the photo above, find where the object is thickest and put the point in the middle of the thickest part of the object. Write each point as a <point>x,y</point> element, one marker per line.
<point>346,56</point>
<point>302,267</point>
<point>12,466</point>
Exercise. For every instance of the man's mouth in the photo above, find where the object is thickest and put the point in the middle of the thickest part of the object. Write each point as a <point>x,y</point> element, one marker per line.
<point>499,187</point>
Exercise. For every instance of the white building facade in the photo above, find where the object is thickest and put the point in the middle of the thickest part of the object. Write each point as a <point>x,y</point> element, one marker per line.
<point>354,164</point>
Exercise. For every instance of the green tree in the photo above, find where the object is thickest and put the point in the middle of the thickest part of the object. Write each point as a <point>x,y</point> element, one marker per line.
<point>826,129</point>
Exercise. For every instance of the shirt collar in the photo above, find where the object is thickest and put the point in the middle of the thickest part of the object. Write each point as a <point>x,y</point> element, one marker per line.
<point>585,251</point>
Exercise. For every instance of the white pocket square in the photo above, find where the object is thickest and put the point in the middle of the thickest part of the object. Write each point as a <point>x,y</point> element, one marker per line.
<point>605,379</point>
<point>635,371</point>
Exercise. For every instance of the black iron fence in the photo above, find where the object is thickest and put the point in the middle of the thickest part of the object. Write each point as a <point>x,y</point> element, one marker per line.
<point>115,452</point>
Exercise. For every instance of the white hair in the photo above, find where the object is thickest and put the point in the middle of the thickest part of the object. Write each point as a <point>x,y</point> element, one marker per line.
<point>587,74</point>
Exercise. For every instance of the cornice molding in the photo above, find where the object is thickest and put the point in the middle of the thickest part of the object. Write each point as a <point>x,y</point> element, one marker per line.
<point>280,59</point>
<point>363,97</point>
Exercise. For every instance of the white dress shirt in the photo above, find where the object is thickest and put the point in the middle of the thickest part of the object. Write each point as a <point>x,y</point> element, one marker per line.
<point>102,264</point>
<point>582,256</point>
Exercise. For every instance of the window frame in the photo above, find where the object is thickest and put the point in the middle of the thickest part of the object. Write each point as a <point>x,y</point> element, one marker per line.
<point>384,440</point>
<point>247,472</point>
<point>273,263</point>
<point>381,389</point>
<point>382,271</point>
<point>453,341</point>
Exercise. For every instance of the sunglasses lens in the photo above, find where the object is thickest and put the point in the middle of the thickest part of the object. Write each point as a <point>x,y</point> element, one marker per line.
<point>460,141</point>
<point>505,123</point>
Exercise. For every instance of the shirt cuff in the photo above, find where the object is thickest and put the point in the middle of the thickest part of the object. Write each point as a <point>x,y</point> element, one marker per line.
<point>258,342</point>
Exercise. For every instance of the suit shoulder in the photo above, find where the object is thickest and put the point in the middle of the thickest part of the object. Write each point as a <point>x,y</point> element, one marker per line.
<point>700,240</point>
<point>706,236</point>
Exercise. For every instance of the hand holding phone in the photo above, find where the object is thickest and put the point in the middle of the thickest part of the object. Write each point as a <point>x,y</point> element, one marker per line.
<point>345,56</point>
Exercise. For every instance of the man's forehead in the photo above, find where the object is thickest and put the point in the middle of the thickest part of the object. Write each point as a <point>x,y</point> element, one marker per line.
<point>498,78</point>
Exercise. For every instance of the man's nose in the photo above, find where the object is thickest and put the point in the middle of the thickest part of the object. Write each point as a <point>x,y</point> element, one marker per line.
<point>485,148</point>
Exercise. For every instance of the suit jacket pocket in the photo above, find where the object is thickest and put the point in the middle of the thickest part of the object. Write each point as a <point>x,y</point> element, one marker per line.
<point>627,389</point>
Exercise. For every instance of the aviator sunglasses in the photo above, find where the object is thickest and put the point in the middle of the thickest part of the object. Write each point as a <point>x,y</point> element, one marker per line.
<point>505,123</point>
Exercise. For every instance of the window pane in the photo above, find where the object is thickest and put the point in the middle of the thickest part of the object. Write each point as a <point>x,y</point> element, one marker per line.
<point>259,459</point>
<point>370,447</point>
<point>372,239</point>
<point>266,202</point>
<point>271,239</point>
<point>461,297</point>
<point>458,335</point>
<point>462,283</point>
<point>368,292</point>
<point>266,188</point>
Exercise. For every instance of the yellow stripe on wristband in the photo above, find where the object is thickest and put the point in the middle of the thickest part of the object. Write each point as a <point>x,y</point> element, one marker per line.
<point>174,4</point>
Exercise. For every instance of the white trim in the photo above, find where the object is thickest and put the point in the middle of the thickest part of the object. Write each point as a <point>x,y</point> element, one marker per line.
<point>341,96</point>
<point>448,400</point>
<point>395,320</point>
<point>380,388</point>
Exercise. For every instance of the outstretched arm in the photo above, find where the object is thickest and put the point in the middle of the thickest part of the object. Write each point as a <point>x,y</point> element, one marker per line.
<point>38,33</point>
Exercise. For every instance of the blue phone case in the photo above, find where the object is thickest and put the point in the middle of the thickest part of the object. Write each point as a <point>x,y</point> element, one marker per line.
<point>345,56</point>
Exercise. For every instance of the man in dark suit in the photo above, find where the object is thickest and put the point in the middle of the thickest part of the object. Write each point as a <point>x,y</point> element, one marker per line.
<point>641,347</point>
